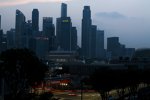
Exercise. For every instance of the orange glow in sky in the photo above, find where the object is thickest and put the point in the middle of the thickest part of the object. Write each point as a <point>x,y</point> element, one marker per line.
<point>19,2</point>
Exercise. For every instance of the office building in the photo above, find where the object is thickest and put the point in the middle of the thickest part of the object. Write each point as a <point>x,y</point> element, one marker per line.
<point>42,46</point>
<point>63,30</point>
<point>1,40</point>
<point>49,31</point>
<point>63,33</point>
<point>129,52</point>
<point>73,39</point>
<point>0,21</point>
<point>35,20</point>
<point>11,39</point>
<point>19,26</point>
<point>100,51</point>
<point>63,10</point>
<point>48,26</point>
<point>93,41</point>
<point>86,31</point>
<point>114,47</point>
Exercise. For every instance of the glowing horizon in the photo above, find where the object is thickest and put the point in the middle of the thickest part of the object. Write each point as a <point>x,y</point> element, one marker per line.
<point>20,2</point>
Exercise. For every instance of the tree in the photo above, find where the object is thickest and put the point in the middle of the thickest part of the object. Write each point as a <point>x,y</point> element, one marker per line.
<point>20,70</point>
<point>103,80</point>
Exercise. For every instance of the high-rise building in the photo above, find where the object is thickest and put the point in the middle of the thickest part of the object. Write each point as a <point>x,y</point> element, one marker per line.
<point>113,46</point>
<point>63,33</point>
<point>0,21</point>
<point>49,31</point>
<point>58,31</point>
<point>100,51</point>
<point>27,34</point>
<point>48,26</point>
<point>1,40</point>
<point>86,31</point>
<point>93,41</point>
<point>35,20</point>
<point>73,39</point>
<point>63,29</point>
<point>63,10</point>
<point>42,46</point>
<point>11,39</point>
<point>19,26</point>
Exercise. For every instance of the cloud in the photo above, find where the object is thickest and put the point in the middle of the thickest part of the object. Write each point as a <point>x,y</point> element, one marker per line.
<point>4,3</point>
<point>111,15</point>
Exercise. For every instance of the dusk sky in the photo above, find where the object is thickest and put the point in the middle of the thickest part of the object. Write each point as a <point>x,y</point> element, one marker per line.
<point>127,19</point>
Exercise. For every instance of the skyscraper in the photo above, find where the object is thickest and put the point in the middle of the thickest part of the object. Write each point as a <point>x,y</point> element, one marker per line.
<point>48,26</point>
<point>0,21</point>
<point>63,33</point>
<point>63,10</point>
<point>100,51</point>
<point>42,46</point>
<point>19,26</point>
<point>113,46</point>
<point>11,39</point>
<point>93,41</point>
<point>73,39</point>
<point>63,29</point>
<point>49,31</point>
<point>35,20</point>
<point>27,34</point>
<point>86,31</point>
<point>1,40</point>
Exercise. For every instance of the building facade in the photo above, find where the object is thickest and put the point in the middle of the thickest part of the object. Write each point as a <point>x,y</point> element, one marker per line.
<point>63,30</point>
<point>11,39</point>
<point>19,26</point>
<point>49,31</point>
<point>73,39</point>
<point>63,10</point>
<point>86,31</point>
<point>35,20</point>
<point>100,51</point>
<point>0,21</point>
<point>93,41</point>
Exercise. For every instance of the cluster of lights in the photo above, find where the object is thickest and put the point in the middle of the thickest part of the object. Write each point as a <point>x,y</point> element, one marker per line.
<point>63,84</point>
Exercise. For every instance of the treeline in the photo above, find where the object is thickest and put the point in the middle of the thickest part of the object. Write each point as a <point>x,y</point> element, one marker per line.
<point>125,82</point>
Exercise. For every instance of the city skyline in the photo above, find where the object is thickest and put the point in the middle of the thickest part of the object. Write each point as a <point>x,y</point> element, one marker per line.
<point>130,25</point>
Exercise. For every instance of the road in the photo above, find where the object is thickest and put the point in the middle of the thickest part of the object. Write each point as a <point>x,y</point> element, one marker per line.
<point>77,96</point>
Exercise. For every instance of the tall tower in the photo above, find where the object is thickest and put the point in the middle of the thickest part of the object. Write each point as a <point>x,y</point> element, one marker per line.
<point>1,40</point>
<point>73,38</point>
<point>35,20</point>
<point>48,26</point>
<point>19,26</point>
<point>0,21</point>
<point>63,33</point>
<point>100,51</point>
<point>86,31</point>
<point>49,31</point>
<point>93,41</point>
<point>113,46</point>
<point>63,10</point>
<point>63,29</point>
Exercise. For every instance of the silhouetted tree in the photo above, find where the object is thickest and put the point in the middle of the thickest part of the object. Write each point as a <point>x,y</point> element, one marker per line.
<point>20,70</point>
<point>103,80</point>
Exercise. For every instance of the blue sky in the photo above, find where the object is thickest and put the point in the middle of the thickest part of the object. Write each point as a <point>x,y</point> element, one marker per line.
<point>127,19</point>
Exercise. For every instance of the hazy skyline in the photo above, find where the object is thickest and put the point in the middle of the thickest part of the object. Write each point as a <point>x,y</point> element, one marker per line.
<point>127,19</point>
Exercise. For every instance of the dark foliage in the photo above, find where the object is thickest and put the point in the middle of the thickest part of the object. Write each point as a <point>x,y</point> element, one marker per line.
<point>20,70</point>
<point>105,80</point>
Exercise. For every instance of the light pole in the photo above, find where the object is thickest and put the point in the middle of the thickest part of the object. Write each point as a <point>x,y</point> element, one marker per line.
<point>81,90</point>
